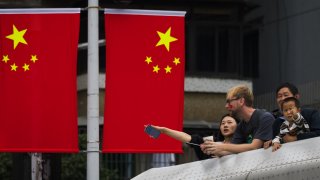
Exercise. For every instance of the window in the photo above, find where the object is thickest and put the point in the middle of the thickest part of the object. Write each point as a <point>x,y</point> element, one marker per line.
<point>221,50</point>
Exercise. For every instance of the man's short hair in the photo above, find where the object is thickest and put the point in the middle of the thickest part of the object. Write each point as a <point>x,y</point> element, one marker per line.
<point>292,88</point>
<point>293,99</point>
<point>242,91</point>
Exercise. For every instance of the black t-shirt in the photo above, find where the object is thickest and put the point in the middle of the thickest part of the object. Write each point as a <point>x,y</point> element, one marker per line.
<point>259,127</point>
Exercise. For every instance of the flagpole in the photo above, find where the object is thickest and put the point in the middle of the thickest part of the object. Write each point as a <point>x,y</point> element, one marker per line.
<point>93,92</point>
<point>36,166</point>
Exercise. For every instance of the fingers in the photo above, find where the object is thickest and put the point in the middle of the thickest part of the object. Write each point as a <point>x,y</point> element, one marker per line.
<point>209,148</point>
<point>275,147</point>
<point>208,152</point>
<point>267,144</point>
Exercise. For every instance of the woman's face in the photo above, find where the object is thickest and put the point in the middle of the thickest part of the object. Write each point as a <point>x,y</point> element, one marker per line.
<point>228,126</point>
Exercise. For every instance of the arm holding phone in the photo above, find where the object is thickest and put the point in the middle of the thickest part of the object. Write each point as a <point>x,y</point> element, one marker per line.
<point>178,135</point>
<point>193,140</point>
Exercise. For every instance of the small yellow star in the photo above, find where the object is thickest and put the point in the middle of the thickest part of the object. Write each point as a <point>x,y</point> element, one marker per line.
<point>5,58</point>
<point>166,39</point>
<point>168,69</point>
<point>14,67</point>
<point>17,37</point>
<point>148,60</point>
<point>156,69</point>
<point>34,58</point>
<point>176,61</point>
<point>26,67</point>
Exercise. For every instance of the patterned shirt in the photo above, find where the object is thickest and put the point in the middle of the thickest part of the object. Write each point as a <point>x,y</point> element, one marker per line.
<point>298,126</point>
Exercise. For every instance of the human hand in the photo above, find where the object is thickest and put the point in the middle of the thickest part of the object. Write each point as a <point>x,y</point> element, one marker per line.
<point>161,129</point>
<point>275,146</point>
<point>289,138</point>
<point>152,131</point>
<point>211,148</point>
<point>267,144</point>
<point>206,147</point>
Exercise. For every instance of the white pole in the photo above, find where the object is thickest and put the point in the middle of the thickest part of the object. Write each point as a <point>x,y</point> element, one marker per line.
<point>36,166</point>
<point>93,92</point>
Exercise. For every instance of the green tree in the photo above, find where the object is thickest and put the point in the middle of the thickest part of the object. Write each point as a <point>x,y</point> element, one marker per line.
<point>5,166</point>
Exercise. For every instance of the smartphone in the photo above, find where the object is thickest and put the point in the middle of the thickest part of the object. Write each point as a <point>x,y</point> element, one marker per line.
<point>151,131</point>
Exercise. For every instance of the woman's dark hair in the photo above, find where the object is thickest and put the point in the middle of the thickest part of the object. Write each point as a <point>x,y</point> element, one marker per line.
<point>219,137</point>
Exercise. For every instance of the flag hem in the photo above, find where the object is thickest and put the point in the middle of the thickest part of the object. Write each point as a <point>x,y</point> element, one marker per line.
<point>40,150</point>
<point>41,11</point>
<point>145,12</point>
<point>139,151</point>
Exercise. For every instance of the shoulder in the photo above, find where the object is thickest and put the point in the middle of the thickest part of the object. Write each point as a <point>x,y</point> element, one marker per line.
<point>263,117</point>
<point>310,114</point>
<point>280,119</point>
<point>308,111</point>
<point>261,113</point>
<point>276,113</point>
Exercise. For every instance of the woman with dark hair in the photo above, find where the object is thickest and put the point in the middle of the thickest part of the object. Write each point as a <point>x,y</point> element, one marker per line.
<point>228,126</point>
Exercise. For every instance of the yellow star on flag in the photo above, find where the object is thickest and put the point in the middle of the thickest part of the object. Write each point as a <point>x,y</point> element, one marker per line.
<point>156,69</point>
<point>148,60</point>
<point>176,61</point>
<point>26,67</point>
<point>34,58</point>
<point>166,39</point>
<point>5,58</point>
<point>14,67</point>
<point>168,69</point>
<point>17,37</point>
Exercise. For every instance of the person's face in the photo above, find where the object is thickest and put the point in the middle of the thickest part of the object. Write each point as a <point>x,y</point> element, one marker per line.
<point>233,106</point>
<point>289,109</point>
<point>228,126</point>
<point>282,94</point>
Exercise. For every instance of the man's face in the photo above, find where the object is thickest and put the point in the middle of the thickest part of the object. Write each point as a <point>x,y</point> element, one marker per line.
<point>282,94</point>
<point>232,105</point>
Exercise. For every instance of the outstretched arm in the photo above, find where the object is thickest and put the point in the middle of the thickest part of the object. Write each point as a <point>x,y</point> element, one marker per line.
<point>178,135</point>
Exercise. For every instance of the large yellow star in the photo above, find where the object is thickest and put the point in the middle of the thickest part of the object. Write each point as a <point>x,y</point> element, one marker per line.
<point>166,39</point>
<point>17,37</point>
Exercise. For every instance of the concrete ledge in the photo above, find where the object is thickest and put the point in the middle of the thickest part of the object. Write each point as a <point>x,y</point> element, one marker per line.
<point>296,160</point>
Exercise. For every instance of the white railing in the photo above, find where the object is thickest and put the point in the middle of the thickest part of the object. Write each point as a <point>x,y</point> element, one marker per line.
<point>296,160</point>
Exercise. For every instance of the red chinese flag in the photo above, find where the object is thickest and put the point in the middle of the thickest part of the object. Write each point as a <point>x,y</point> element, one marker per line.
<point>144,79</point>
<point>38,93</point>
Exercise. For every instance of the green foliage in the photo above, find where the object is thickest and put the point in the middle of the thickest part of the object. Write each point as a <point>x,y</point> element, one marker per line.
<point>74,166</point>
<point>106,174</point>
<point>5,166</point>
